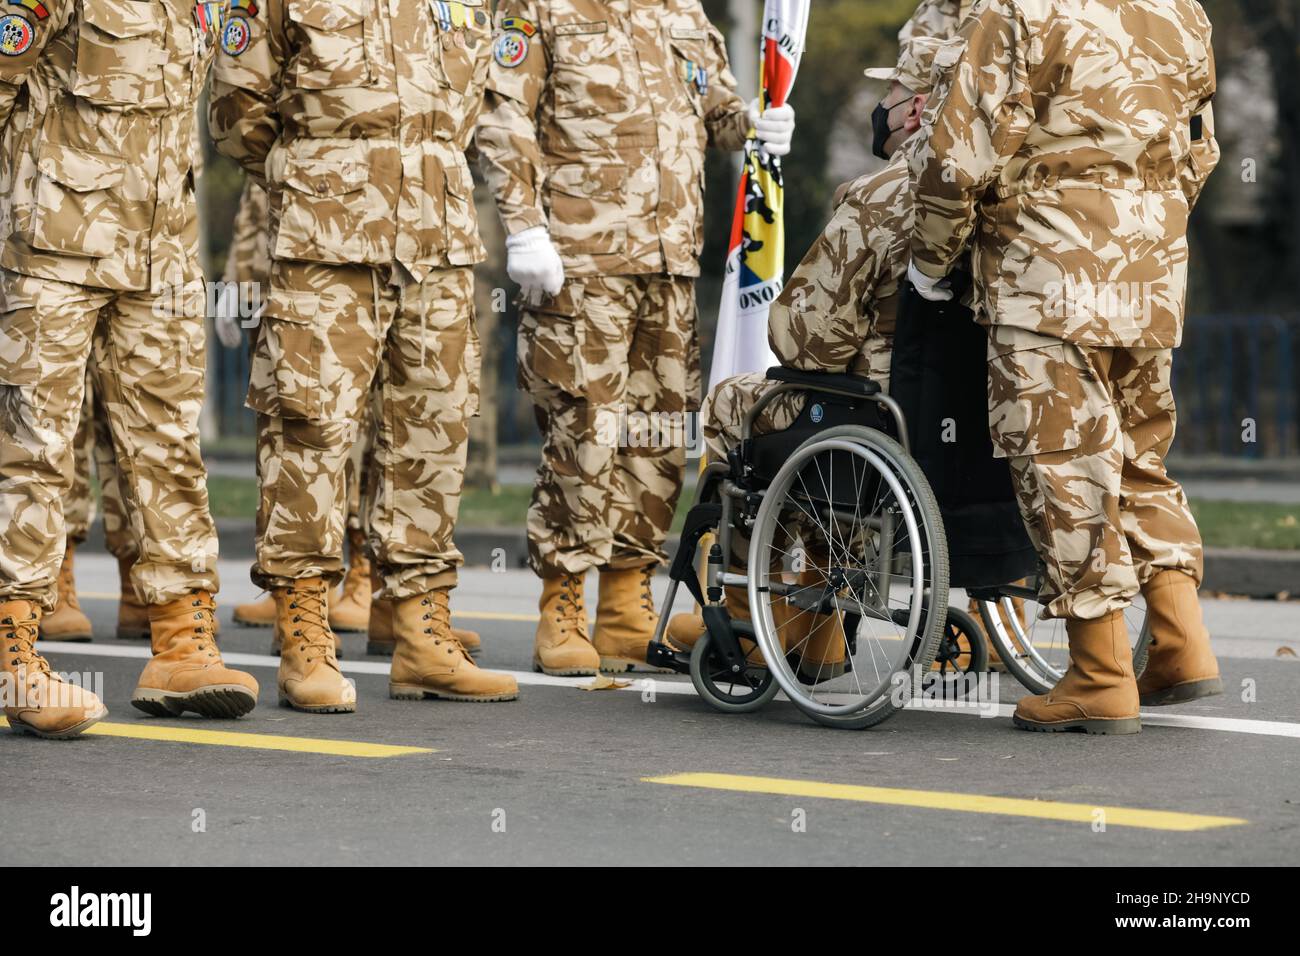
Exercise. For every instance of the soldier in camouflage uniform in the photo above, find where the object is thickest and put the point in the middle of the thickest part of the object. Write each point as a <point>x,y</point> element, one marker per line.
<point>593,141</point>
<point>1073,180</point>
<point>100,237</point>
<point>940,19</point>
<point>357,119</point>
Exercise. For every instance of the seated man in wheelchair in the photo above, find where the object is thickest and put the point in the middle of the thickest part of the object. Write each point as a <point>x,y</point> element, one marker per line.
<point>836,314</point>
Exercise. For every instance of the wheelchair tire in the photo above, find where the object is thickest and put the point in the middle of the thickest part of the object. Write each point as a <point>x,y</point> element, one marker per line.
<point>735,698</point>
<point>926,563</point>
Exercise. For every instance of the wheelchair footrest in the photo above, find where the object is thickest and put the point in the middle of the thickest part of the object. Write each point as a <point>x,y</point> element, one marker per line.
<point>661,655</point>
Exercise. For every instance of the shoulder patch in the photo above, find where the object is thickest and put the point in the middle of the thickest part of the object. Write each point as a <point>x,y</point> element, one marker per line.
<point>236,35</point>
<point>16,35</point>
<point>245,7</point>
<point>519,23</point>
<point>39,10</point>
<point>510,49</point>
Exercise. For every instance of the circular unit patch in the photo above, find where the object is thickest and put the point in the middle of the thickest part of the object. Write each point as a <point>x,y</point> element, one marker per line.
<point>235,36</point>
<point>511,49</point>
<point>16,35</point>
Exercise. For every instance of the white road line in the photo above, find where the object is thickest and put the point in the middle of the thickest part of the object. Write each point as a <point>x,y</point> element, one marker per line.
<point>637,683</point>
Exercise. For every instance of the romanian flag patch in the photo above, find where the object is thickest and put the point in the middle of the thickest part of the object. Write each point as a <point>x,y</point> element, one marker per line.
<point>39,10</point>
<point>247,7</point>
<point>519,23</point>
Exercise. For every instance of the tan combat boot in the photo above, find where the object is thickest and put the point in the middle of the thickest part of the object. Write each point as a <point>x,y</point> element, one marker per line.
<point>309,678</point>
<point>429,662</point>
<point>35,700</point>
<point>1098,694</point>
<point>1180,664</point>
<point>351,610</point>
<point>379,637</point>
<point>186,672</point>
<point>625,619</point>
<point>67,622</point>
<point>561,646</point>
<point>259,613</point>
<point>821,644</point>
<point>132,613</point>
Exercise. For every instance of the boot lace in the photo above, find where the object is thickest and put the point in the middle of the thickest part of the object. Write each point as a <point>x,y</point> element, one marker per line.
<point>647,590</point>
<point>19,638</point>
<point>570,607</point>
<point>205,628</point>
<point>313,632</point>
<point>437,615</point>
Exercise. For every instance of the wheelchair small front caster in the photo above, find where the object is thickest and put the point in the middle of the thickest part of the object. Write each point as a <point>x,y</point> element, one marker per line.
<point>732,692</point>
<point>963,648</point>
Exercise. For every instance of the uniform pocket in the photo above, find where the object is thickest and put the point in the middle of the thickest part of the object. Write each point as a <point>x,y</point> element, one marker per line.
<point>320,213</point>
<point>551,343</point>
<point>121,51</point>
<point>587,213</point>
<point>333,52</point>
<point>1036,401</point>
<point>19,347</point>
<point>285,376</point>
<point>587,76</point>
<point>77,211</point>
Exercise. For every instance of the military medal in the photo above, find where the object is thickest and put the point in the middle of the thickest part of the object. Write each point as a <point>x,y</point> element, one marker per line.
<point>208,17</point>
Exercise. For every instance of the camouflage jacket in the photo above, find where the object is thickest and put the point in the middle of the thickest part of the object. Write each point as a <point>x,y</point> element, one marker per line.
<point>598,115</point>
<point>97,122</point>
<point>936,18</point>
<point>846,288</point>
<point>357,114</point>
<point>1068,146</point>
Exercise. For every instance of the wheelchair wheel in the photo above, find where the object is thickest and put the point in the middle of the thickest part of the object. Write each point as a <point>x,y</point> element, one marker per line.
<point>1037,652</point>
<point>725,691</point>
<point>851,518</point>
<point>963,649</point>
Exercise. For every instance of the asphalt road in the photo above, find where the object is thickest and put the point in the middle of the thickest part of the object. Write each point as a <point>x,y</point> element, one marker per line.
<point>572,776</point>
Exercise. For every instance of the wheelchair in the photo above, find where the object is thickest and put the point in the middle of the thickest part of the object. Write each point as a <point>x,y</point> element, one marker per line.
<point>846,571</point>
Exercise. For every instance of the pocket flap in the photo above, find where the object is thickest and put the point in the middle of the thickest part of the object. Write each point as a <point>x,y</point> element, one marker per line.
<point>80,169</point>
<point>600,181</point>
<point>121,18</point>
<point>327,14</point>
<point>298,308</point>
<point>325,177</point>
<point>688,33</point>
<point>581,29</point>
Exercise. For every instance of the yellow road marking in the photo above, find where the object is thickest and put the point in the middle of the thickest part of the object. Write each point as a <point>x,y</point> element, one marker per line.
<point>963,802</point>
<point>228,738</point>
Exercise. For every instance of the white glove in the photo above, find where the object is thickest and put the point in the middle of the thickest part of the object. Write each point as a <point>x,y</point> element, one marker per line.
<point>932,290</point>
<point>229,332</point>
<point>774,128</point>
<point>533,262</point>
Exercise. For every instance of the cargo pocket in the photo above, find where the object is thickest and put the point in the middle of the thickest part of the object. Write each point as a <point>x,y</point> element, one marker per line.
<point>587,212</point>
<point>320,211</point>
<point>1036,400</point>
<point>333,51</point>
<point>121,53</point>
<point>19,347</point>
<point>551,343</point>
<point>285,376</point>
<point>77,211</point>
<point>587,75</point>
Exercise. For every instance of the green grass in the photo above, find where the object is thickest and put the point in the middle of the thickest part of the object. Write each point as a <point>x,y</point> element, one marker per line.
<point>1224,524</point>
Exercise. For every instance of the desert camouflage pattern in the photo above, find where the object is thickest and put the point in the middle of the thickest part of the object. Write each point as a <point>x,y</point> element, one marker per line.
<point>98,133</point>
<point>249,258</point>
<point>838,309</point>
<point>1085,431</point>
<point>327,333</point>
<point>940,19</point>
<point>1063,148</point>
<point>154,347</point>
<point>599,131</point>
<point>357,116</point>
<point>93,448</point>
<point>612,367</point>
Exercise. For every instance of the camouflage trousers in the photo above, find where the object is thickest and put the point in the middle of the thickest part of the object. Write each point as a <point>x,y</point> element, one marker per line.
<point>148,351</point>
<point>1086,431</point>
<point>93,450</point>
<point>612,367</point>
<point>333,340</point>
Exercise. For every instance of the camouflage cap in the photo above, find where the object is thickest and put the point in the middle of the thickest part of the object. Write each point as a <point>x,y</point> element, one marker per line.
<point>915,67</point>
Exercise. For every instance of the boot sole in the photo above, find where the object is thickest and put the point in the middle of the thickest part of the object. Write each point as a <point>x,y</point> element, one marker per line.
<point>539,668</point>
<point>134,634</point>
<point>1118,726</point>
<point>76,730</point>
<point>1182,693</point>
<point>218,701</point>
<point>319,708</point>
<point>621,665</point>
<point>415,692</point>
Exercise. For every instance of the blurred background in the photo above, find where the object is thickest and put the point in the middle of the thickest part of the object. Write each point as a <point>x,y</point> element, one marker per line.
<point>1237,375</point>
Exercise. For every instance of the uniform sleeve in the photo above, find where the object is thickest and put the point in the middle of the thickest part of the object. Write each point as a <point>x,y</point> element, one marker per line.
<point>824,313</point>
<point>23,38</point>
<point>1203,154</point>
<point>506,137</point>
<point>246,81</point>
<point>724,110</point>
<point>972,135</point>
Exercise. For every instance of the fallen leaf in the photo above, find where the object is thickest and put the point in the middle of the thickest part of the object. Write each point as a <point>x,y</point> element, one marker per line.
<point>605,682</point>
<point>1285,651</point>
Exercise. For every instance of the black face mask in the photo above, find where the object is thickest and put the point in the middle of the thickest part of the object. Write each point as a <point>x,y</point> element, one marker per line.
<point>881,130</point>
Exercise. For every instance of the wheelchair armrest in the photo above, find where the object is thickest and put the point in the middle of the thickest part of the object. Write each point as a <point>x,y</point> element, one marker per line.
<point>840,382</point>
